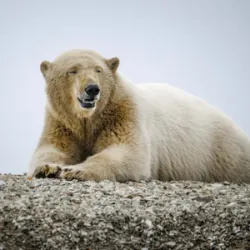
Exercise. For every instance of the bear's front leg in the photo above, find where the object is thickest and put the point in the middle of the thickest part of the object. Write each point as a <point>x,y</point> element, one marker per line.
<point>116,163</point>
<point>47,161</point>
<point>87,172</point>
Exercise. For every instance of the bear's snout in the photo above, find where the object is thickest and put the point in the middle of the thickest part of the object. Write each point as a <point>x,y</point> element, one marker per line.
<point>89,96</point>
<point>92,90</point>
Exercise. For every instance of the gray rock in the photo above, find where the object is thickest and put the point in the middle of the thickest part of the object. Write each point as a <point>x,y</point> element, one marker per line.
<point>171,244</point>
<point>2,183</point>
<point>58,214</point>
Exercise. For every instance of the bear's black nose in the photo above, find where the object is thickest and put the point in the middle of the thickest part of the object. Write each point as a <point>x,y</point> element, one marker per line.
<point>92,90</point>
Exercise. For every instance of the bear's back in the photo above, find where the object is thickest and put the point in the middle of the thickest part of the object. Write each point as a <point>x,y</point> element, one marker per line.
<point>186,132</point>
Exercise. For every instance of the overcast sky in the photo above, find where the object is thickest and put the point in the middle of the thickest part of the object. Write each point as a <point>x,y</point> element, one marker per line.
<point>200,46</point>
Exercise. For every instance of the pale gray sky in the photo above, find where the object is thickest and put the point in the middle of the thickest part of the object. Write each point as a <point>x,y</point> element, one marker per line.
<point>202,46</point>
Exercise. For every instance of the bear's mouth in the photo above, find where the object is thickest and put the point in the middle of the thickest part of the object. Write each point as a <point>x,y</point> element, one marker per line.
<point>87,103</point>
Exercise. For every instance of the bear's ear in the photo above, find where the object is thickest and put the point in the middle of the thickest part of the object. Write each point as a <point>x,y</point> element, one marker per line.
<point>113,64</point>
<point>45,66</point>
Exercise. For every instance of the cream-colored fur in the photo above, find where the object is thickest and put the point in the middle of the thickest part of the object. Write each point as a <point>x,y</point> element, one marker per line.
<point>135,132</point>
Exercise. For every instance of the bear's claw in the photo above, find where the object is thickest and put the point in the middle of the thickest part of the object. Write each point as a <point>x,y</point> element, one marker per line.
<point>47,171</point>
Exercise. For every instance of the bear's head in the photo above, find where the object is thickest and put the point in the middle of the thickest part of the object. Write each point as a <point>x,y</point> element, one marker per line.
<point>79,82</point>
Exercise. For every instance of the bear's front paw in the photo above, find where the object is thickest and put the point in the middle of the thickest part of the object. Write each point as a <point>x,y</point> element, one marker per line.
<point>84,174</point>
<point>47,171</point>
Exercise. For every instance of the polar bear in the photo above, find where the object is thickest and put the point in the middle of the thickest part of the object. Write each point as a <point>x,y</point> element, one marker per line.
<point>99,126</point>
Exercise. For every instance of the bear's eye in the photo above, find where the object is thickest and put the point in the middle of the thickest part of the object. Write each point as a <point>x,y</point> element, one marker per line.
<point>98,69</point>
<point>72,71</point>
